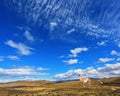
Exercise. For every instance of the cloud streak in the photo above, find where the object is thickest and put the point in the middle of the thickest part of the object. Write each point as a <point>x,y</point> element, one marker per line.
<point>74,52</point>
<point>20,73</point>
<point>71,61</point>
<point>21,48</point>
<point>11,57</point>
<point>42,69</point>
<point>101,43</point>
<point>28,36</point>
<point>113,52</point>
<point>104,60</point>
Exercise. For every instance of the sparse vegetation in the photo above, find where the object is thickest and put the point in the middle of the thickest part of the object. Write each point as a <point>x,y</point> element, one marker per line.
<point>72,88</point>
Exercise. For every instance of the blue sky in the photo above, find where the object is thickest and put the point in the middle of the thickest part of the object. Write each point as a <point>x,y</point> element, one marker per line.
<point>59,39</point>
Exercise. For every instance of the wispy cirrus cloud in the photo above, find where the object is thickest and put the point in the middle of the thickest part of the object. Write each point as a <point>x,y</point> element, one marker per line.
<point>28,36</point>
<point>76,51</point>
<point>102,25</point>
<point>102,43</point>
<point>71,61</point>
<point>21,48</point>
<point>26,33</point>
<point>70,31</point>
<point>11,57</point>
<point>42,69</point>
<point>106,59</point>
<point>109,70</point>
<point>53,25</point>
<point>113,52</point>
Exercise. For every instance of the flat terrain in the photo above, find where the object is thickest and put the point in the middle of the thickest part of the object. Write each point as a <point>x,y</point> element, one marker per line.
<point>110,87</point>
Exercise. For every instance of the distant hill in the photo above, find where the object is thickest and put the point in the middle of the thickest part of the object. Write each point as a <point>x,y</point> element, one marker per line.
<point>25,83</point>
<point>74,80</point>
<point>107,81</point>
<point>112,81</point>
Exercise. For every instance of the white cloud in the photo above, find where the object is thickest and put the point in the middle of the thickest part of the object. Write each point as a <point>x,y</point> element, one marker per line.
<point>104,60</point>
<point>42,69</point>
<point>11,57</point>
<point>71,61</point>
<point>109,70</point>
<point>20,71</point>
<point>70,74</point>
<point>28,36</point>
<point>101,43</point>
<point>70,31</point>
<point>74,52</point>
<point>22,48</point>
<point>118,43</point>
<point>52,25</point>
<point>113,52</point>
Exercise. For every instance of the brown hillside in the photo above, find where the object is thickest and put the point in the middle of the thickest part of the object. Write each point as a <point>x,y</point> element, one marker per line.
<point>115,81</point>
<point>72,88</point>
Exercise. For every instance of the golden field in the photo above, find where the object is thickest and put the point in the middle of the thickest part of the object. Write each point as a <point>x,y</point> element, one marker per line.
<point>110,87</point>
